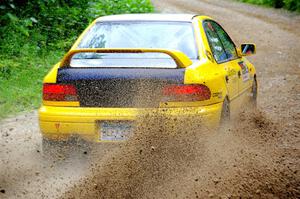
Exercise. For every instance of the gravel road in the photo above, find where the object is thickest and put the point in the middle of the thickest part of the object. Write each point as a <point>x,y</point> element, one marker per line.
<point>257,156</point>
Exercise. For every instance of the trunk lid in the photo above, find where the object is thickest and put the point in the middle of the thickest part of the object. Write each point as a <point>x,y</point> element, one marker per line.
<point>120,87</point>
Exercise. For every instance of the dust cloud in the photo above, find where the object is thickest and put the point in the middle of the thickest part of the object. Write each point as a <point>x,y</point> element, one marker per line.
<point>178,157</point>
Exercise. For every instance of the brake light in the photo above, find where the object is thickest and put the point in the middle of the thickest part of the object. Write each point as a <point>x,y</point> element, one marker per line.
<point>193,92</point>
<point>59,92</point>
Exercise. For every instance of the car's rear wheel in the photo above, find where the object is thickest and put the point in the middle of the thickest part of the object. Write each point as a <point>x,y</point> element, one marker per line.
<point>254,94</point>
<point>225,114</point>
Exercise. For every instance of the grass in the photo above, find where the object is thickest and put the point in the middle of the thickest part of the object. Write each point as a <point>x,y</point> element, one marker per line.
<point>22,90</point>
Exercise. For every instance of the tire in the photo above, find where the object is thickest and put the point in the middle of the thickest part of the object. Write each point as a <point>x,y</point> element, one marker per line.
<point>225,114</point>
<point>254,94</point>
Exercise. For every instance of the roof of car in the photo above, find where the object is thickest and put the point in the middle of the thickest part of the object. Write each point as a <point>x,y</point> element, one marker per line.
<point>148,17</point>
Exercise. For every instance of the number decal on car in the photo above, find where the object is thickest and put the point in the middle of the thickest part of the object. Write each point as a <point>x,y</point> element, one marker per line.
<point>245,71</point>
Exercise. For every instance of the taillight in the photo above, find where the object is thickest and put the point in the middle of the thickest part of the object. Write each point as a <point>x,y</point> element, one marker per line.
<point>195,92</point>
<point>59,92</point>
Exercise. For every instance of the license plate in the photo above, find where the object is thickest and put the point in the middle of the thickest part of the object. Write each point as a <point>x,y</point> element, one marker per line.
<point>115,131</point>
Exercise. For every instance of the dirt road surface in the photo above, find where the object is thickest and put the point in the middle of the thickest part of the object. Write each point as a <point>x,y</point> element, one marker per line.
<point>257,156</point>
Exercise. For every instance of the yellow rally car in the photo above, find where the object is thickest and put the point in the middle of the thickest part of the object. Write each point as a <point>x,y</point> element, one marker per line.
<point>123,65</point>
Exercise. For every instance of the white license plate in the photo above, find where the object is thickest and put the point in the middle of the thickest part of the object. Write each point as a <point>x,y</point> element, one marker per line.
<point>115,130</point>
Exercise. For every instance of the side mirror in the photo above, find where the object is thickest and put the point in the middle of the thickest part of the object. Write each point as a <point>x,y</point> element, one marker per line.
<point>248,49</point>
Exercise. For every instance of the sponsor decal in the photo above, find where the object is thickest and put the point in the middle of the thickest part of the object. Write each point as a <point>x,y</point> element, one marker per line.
<point>218,95</point>
<point>57,126</point>
<point>245,71</point>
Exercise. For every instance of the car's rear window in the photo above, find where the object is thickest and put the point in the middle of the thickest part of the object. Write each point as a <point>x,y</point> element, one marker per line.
<point>129,34</point>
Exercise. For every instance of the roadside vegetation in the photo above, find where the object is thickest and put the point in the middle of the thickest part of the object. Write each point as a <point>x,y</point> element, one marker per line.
<point>34,35</point>
<point>292,5</point>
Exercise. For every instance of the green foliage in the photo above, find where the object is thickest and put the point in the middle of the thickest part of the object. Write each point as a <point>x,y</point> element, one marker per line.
<point>21,82</point>
<point>293,5</point>
<point>57,23</point>
<point>43,22</point>
<point>34,34</point>
<point>107,7</point>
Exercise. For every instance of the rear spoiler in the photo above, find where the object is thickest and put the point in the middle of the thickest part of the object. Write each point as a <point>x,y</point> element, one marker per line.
<point>179,57</point>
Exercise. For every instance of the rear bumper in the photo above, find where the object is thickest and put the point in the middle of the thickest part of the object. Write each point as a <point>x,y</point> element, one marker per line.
<point>62,122</point>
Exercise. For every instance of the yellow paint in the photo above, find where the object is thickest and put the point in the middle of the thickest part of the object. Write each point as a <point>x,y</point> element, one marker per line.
<point>61,103</point>
<point>52,74</point>
<point>180,58</point>
<point>83,121</point>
